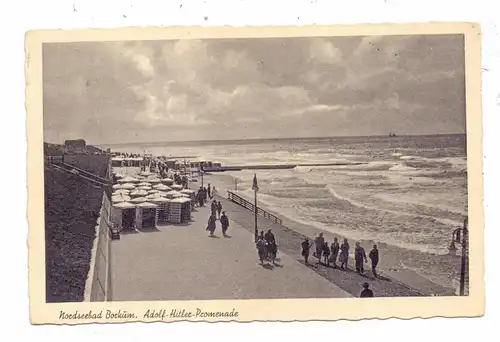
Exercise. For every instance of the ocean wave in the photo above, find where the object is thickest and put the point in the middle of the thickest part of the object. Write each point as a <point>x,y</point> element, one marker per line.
<point>371,166</point>
<point>401,167</point>
<point>444,221</point>
<point>291,212</point>
<point>407,157</point>
<point>442,174</point>
<point>439,204</point>
<point>454,163</point>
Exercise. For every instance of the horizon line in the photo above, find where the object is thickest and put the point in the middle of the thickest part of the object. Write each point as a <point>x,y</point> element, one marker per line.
<point>284,138</point>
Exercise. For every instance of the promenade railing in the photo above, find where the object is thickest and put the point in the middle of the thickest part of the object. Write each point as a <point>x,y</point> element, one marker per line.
<point>250,206</point>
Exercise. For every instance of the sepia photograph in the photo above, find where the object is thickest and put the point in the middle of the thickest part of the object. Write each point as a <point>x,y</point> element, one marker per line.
<point>290,165</point>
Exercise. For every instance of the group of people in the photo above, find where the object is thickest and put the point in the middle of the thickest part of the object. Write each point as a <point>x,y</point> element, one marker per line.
<point>267,248</point>
<point>215,214</point>
<point>216,208</point>
<point>155,166</point>
<point>205,193</point>
<point>162,168</point>
<point>330,254</point>
<point>181,180</point>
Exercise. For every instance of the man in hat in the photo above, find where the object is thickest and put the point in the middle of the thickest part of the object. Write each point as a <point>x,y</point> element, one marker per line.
<point>366,293</point>
<point>224,221</point>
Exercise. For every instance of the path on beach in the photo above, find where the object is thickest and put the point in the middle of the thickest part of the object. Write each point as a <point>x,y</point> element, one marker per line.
<point>180,262</point>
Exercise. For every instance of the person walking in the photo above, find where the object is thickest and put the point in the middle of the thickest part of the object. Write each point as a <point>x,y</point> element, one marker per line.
<point>366,293</point>
<point>319,242</point>
<point>219,208</point>
<point>305,251</point>
<point>344,255</point>
<point>224,221</point>
<point>335,248</point>
<point>204,195</point>
<point>326,254</point>
<point>211,224</point>
<point>261,247</point>
<point>213,207</point>
<point>199,197</point>
<point>374,259</point>
<point>359,257</point>
<point>270,243</point>
<point>209,191</point>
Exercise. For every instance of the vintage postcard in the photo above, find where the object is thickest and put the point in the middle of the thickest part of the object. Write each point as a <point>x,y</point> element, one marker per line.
<point>255,173</point>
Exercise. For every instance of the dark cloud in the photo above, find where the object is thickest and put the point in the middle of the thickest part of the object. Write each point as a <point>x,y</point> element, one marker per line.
<point>244,88</point>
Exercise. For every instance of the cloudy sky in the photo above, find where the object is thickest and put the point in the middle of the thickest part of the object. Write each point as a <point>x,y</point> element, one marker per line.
<point>148,91</point>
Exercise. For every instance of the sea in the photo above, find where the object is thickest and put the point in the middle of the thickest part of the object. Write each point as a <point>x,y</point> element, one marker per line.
<point>405,191</point>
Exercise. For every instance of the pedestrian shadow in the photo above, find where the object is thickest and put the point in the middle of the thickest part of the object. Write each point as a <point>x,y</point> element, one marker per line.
<point>128,231</point>
<point>331,267</point>
<point>380,277</point>
<point>311,265</point>
<point>214,236</point>
<point>149,230</point>
<point>366,276</point>
<point>183,224</point>
<point>227,236</point>
<point>267,266</point>
<point>277,265</point>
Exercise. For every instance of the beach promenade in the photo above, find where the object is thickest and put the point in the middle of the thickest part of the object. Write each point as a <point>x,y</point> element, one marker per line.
<point>181,262</point>
<point>394,280</point>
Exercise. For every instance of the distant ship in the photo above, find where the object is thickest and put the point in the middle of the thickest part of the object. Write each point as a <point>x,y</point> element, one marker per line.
<point>392,134</point>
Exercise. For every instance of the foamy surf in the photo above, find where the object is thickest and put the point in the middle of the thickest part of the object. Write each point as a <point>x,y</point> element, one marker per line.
<point>291,213</point>
<point>448,222</point>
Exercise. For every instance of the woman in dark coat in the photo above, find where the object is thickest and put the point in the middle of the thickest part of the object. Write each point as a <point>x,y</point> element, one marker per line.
<point>261,247</point>
<point>335,248</point>
<point>305,251</point>
<point>211,224</point>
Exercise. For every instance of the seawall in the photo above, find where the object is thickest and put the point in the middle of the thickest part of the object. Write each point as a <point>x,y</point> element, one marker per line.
<point>76,232</point>
<point>71,207</point>
<point>98,285</point>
